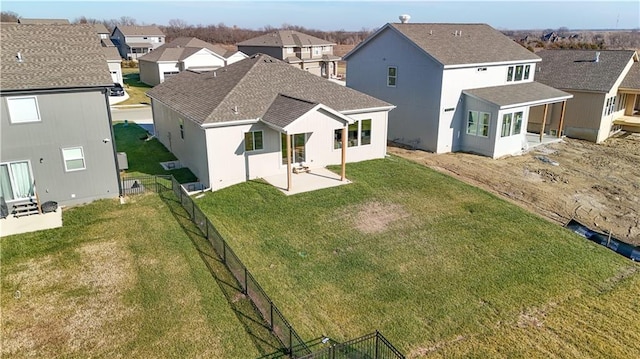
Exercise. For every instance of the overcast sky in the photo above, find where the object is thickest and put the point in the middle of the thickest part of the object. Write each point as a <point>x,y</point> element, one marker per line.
<point>347,15</point>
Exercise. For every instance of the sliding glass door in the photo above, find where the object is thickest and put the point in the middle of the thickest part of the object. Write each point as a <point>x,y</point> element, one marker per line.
<point>16,181</point>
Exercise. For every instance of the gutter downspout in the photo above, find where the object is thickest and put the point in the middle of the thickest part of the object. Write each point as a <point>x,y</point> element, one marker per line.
<point>113,141</point>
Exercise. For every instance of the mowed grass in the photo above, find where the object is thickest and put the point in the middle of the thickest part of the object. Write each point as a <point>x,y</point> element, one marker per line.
<point>135,88</point>
<point>441,268</point>
<point>144,156</point>
<point>115,281</point>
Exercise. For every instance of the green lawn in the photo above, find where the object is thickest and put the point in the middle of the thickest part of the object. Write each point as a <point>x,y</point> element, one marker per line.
<point>441,268</point>
<point>117,281</point>
<point>144,156</point>
<point>135,88</point>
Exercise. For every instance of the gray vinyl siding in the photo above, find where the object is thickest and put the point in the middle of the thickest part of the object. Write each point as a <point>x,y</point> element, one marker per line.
<point>478,144</point>
<point>67,120</point>
<point>417,93</point>
<point>149,72</point>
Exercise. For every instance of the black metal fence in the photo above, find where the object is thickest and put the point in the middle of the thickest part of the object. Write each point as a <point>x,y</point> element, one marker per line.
<point>370,346</point>
<point>295,347</point>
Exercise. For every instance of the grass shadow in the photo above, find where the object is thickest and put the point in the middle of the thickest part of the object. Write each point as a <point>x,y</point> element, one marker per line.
<point>259,331</point>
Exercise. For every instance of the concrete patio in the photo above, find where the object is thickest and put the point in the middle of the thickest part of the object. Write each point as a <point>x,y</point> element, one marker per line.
<point>37,222</point>
<point>533,139</point>
<point>316,178</point>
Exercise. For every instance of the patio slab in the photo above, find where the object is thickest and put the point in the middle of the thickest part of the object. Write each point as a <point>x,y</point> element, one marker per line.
<point>11,225</point>
<point>315,179</point>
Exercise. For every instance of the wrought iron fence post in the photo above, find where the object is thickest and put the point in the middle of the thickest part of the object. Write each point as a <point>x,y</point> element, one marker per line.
<point>377,337</point>
<point>271,322</point>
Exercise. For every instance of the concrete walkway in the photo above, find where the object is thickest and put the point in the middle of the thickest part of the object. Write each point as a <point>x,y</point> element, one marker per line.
<point>317,178</point>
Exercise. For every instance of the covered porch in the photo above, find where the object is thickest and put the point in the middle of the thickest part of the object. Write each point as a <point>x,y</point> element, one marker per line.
<point>295,120</point>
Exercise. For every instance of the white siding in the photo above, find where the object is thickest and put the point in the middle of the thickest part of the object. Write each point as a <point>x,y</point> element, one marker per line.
<point>116,71</point>
<point>203,58</point>
<point>149,73</point>
<point>238,56</point>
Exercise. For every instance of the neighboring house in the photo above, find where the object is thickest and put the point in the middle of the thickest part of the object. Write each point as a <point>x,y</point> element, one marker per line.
<point>233,124</point>
<point>135,41</point>
<point>43,21</point>
<point>103,33</point>
<point>184,53</point>
<point>56,140</point>
<point>457,87</point>
<point>605,88</point>
<point>300,50</point>
<point>115,63</point>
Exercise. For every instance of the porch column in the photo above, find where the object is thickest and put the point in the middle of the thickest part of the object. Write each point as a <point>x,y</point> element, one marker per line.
<point>544,119</point>
<point>344,154</point>
<point>288,162</point>
<point>564,106</point>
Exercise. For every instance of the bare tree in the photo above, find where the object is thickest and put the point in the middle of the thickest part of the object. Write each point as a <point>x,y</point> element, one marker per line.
<point>9,16</point>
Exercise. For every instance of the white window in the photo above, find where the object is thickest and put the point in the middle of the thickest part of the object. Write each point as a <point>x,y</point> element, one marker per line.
<point>289,50</point>
<point>521,72</point>
<point>392,76</point>
<point>16,181</point>
<point>23,109</point>
<point>253,141</point>
<point>358,134</point>
<point>317,50</point>
<point>506,124</point>
<point>511,124</point>
<point>73,159</point>
<point>478,123</point>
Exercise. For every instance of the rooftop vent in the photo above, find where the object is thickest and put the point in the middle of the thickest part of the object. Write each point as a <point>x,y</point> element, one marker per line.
<point>404,18</point>
<point>235,110</point>
<point>597,59</point>
<point>19,57</point>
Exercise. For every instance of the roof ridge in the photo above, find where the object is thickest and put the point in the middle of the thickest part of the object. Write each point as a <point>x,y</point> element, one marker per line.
<point>234,88</point>
<point>296,98</point>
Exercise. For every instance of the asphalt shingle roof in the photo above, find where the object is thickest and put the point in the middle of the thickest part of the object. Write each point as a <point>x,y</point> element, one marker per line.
<point>632,80</point>
<point>285,38</point>
<point>250,86</point>
<point>111,53</point>
<point>181,48</point>
<point>285,109</point>
<point>473,44</point>
<point>53,56</point>
<point>43,21</point>
<point>526,92</point>
<point>101,29</point>
<point>577,69</point>
<point>149,30</point>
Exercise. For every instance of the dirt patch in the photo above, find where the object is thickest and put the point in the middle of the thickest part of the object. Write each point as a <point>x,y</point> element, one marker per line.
<point>375,217</point>
<point>597,184</point>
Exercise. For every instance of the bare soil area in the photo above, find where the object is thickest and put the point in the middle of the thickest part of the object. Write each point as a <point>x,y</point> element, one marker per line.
<point>597,184</point>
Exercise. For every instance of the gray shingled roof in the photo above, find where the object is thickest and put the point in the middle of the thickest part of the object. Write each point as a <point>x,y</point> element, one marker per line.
<point>285,38</point>
<point>53,56</point>
<point>111,53</point>
<point>285,109</point>
<point>474,44</point>
<point>577,70</point>
<point>181,48</point>
<point>632,80</point>
<point>521,93</point>
<point>250,86</point>
<point>149,30</point>
<point>43,21</point>
<point>101,29</point>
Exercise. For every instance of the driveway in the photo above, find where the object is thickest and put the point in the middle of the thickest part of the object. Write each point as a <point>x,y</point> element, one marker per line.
<point>140,114</point>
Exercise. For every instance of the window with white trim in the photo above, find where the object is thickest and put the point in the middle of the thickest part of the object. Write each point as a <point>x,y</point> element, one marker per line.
<point>518,72</point>
<point>478,123</point>
<point>16,181</point>
<point>253,141</point>
<point>511,124</point>
<point>23,109</point>
<point>358,134</point>
<point>73,159</point>
<point>392,76</point>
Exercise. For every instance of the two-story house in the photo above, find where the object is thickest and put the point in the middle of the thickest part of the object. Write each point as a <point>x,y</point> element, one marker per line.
<point>300,50</point>
<point>457,87</point>
<point>605,85</point>
<point>181,54</point>
<point>135,41</point>
<point>56,139</point>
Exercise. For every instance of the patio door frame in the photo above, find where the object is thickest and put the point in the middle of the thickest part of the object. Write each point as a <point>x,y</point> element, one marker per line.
<point>13,181</point>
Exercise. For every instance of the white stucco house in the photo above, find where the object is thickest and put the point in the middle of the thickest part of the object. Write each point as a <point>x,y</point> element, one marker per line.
<point>181,54</point>
<point>134,41</point>
<point>457,87</point>
<point>261,117</point>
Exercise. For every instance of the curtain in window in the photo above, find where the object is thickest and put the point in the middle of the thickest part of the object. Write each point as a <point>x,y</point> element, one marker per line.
<point>22,179</point>
<point>5,183</point>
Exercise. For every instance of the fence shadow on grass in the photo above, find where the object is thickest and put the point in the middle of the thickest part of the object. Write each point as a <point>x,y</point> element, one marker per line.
<point>260,333</point>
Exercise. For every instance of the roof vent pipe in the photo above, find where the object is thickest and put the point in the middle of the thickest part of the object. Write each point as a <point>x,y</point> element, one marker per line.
<point>597,56</point>
<point>19,57</point>
<point>404,18</point>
